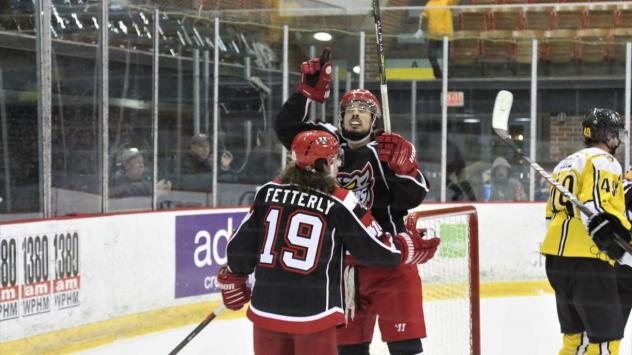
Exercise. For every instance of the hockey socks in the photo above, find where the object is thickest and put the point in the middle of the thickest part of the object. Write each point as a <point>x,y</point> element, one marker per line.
<point>578,344</point>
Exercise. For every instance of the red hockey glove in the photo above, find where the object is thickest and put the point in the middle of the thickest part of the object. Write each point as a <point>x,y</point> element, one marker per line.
<point>316,77</point>
<point>416,250</point>
<point>235,293</point>
<point>398,153</point>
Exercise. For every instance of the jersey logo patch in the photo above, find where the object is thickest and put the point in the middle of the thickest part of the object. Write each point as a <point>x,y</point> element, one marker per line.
<point>360,182</point>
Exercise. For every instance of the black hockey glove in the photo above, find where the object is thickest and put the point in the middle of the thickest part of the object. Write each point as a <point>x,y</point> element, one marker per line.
<point>602,228</point>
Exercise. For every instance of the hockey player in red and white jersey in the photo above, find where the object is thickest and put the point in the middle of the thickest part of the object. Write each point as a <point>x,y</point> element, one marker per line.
<point>294,239</point>
<point>382,171</point>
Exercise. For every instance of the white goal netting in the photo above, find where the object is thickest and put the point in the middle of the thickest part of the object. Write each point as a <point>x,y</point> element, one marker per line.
<point>450,283</point>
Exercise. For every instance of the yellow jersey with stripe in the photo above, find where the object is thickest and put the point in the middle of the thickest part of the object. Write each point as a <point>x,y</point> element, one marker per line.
<point>595,177</point>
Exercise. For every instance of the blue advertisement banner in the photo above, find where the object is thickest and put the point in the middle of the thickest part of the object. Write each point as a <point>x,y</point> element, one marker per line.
<point>201,250</point>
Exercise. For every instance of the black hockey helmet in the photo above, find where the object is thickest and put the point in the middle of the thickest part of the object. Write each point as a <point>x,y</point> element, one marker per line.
<point>600,124</point>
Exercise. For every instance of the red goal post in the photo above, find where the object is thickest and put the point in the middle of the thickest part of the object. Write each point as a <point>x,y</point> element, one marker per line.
<point>451,280</point>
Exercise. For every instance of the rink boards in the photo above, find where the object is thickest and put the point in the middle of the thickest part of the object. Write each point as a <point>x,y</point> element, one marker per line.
<point>96,279</point>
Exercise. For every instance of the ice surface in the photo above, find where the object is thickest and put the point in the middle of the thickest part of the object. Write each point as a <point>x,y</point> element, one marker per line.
<point>516,325</point>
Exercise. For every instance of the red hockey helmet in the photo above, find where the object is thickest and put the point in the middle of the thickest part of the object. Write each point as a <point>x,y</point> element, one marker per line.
<point>361,96</point>
<point>309,146</point>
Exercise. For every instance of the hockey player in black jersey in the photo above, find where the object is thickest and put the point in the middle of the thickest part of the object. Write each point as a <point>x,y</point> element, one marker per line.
<point>294,239</point>
<point>382,172</point>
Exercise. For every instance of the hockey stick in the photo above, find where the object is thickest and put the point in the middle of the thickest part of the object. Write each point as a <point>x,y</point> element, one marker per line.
<point>198,329</point>
<point>500,118</point>
<point>386,114</point>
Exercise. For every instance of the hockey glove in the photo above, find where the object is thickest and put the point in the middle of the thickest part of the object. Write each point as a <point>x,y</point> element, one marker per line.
<point>602,228</point>
<point>398,153</point>
<point>316,77</point>
<point>235,293</point>
<point>416,250</point>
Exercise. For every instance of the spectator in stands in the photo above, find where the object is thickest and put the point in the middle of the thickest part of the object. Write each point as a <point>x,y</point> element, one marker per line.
<point>438,24</point>
<point>132,179</point>
<point>198,160</point>
<point>197,164</point>
<point>459,187</point>
<point>505,187</point>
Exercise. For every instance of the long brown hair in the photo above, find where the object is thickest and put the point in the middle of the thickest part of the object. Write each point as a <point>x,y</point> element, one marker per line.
<point>305,180</point>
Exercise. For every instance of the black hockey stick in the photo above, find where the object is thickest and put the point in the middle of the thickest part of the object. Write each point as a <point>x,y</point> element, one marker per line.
<point>386,114</point>
<point>198,329</point>
<point>500,118</point>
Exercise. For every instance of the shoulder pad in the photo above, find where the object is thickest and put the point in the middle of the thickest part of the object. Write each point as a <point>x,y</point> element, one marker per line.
<point>346,197</point>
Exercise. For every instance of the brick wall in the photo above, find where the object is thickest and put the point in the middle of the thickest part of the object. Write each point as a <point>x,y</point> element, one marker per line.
<point>566,138</point>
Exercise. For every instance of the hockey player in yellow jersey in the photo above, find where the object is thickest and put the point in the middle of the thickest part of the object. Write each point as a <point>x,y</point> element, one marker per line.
<point>580,252</point>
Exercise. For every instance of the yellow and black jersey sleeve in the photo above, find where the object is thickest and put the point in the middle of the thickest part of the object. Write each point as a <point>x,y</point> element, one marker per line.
<point>595,177</point>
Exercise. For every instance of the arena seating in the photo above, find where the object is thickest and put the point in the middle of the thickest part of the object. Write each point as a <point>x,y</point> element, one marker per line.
<point>568,17</point>
<point>473,19</point>
<point>538,18</point>
<point>583,34</point>
<point>496,47</point>
<point>559,46</point>
<point>464,48</point>
<point>482,2</point>
<point>512,1</point>
<point>500,48</point>
<point>600,16</point>
<point>522,45</point>
<point>618,38</point>
<point>592,45</point>
<point>551,17</point>
<point>589,32</point>
<point>623,15</point>
<point>507,18</point>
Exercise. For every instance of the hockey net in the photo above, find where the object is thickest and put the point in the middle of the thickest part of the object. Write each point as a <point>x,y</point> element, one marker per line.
<point>450,282</point>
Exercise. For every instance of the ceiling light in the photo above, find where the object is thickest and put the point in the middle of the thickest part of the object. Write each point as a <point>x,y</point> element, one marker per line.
<point>322,36</point>
<point>523,119</point>
<point>471,120</point>
<point>356,69</point>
